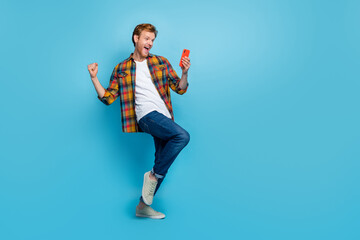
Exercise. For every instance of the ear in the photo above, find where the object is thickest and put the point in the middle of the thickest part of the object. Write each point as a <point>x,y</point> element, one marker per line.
<point>136,38</point>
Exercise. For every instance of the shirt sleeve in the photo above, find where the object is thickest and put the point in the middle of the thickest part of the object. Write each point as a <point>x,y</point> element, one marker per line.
<point>112,92</point>
<point>174,79</point>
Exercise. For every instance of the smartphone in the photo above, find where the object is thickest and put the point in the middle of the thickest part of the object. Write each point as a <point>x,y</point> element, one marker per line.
<point>185,53</point>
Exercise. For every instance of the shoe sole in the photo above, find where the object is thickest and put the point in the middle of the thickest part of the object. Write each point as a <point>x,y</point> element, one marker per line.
<point>147,216</point>
<point>142,192</point>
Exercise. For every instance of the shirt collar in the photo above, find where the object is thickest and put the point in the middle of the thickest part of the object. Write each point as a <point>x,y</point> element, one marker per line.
<point>132,58</point>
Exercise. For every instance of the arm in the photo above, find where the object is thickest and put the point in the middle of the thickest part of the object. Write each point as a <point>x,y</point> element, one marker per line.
<point>109,95</point>
<point>178,85</point>
<point>186,65</point>
<point>93,70</point>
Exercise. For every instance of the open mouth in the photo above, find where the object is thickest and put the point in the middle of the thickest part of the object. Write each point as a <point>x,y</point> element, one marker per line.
<point>147,48</point>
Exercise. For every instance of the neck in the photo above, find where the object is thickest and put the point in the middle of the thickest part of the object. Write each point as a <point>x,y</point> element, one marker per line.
<point>138,57</point>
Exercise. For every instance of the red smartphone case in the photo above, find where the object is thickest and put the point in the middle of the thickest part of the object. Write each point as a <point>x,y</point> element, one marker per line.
<point>185,53</point>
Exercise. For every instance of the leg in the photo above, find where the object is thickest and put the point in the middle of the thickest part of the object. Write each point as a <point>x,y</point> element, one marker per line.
<point>159,145</point>
<point>169,139</point>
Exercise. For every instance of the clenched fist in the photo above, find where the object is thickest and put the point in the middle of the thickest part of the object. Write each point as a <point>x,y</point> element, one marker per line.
<point>93,69</point>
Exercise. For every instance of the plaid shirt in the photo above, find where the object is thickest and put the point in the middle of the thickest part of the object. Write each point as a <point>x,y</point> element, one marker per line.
<point>122,83</point>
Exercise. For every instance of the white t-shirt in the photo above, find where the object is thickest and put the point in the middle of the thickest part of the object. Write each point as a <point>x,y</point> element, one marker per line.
<point>147,98</point>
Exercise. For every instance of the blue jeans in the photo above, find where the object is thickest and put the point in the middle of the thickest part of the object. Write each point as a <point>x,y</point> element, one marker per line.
<point>169,139</point>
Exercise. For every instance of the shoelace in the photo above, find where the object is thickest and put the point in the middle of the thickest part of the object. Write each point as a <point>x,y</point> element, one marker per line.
<point>152,187</point>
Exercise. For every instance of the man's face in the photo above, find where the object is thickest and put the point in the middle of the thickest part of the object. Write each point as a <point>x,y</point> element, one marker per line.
<point>144,42</point>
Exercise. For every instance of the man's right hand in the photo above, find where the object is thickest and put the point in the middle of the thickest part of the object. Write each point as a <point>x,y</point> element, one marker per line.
<point>93,69</point>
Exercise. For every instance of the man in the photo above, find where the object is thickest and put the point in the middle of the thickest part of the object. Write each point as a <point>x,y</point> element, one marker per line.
<point>142,82</point>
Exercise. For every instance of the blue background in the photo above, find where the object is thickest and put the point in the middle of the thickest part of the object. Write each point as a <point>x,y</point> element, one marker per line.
<point>272,109</point>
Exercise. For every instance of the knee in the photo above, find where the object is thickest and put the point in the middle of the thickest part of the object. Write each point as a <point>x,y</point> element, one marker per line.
<point>185,137</point>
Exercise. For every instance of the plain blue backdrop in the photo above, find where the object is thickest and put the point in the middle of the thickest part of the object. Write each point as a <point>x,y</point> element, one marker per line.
<point>272,108</point>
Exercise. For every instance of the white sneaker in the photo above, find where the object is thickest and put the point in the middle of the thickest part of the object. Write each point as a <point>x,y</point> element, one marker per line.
<point>148,212</point>
<point>148,189</point>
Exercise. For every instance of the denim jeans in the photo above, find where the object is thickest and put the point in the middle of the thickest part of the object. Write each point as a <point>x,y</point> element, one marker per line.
<point>169,139</point>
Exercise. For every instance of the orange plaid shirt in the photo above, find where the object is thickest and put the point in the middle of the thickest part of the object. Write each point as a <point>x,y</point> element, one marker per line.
<point>122,83</point>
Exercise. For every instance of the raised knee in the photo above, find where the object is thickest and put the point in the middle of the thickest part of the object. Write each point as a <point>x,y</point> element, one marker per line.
<point>182,137</point>
<point>186,137</point>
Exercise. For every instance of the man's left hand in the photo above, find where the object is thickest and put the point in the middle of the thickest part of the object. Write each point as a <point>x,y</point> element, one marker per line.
<point>186,65</point>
